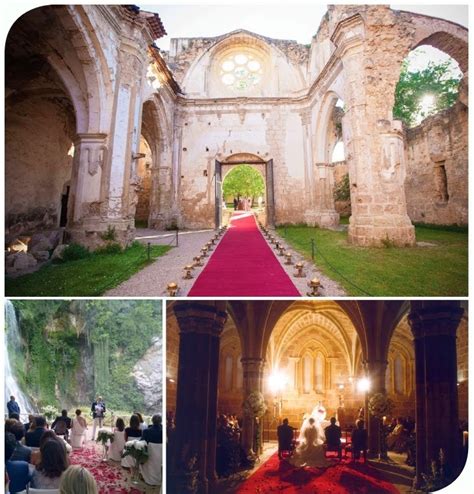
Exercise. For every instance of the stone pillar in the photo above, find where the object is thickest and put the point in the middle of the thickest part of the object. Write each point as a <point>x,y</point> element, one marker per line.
<point>253,381</point>
<point>196,404</point>
<point>375,370</point>
<point>324,184</point>
<point>434,328</point>
<point>375,152</point>
<point>292,368</point>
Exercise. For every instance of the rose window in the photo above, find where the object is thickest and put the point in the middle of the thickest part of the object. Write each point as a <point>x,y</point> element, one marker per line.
<point>241,71</point>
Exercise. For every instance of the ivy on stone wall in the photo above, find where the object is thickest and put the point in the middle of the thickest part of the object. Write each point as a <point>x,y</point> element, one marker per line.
<point>115,334</point>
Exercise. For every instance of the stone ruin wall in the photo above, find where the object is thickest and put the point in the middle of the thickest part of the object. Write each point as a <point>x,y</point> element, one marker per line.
<point>436,183</point>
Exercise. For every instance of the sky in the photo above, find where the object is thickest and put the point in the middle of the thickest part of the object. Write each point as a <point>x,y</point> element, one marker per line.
<point>298,21</point>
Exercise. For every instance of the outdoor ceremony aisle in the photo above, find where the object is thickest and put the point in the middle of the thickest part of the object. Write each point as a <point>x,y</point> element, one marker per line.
<point>342,478</point>
<point>243,265</point>
<point>111,478</point>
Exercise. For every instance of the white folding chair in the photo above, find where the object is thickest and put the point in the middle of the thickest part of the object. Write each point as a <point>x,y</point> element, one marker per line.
<point>151,470</point>
<point>31,490</point>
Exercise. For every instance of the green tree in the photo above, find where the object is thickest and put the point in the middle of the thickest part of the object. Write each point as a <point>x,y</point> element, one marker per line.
<point>243,181</point>
<point>437,80</point>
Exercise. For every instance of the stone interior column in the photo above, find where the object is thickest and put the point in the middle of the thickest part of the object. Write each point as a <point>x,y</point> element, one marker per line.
<point>375,370</point>
<point>196,404</point>
<point>253,381</point>
<point>437,416</point>
<point>292,369</point>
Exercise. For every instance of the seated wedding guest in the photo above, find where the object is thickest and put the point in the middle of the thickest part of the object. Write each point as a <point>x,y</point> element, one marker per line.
<point>32,437</point>
<point>285,438</point>
<point>29,424</point>
<point>51,435</point>
<point>22,452</point>
<point>154,434</point>
<point>333,437</point>
<point>62,424</point>
<point>359,441</point>
<point>143,426</point>
<point>116,447</point>
<point>77,480</point>
<point>53,463</point>
<point>9,424</point>
<point>18,471</point>
<point>397,438</point>
<point>78,430</point>
<point>14,416</point>
<point>133,431</point>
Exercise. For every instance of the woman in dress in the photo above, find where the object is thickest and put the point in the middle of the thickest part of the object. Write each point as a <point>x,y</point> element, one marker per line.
<point>78,430</point>
<point>310,450</point>
<point>54,462</point>
<point>116,447</point>
<point>133,431</point>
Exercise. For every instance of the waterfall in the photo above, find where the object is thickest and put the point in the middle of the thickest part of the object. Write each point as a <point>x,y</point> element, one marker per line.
<point>12,343</point>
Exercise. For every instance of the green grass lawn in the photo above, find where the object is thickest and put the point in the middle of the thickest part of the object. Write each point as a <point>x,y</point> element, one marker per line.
<point>91,276</point>
<point>441,270</point>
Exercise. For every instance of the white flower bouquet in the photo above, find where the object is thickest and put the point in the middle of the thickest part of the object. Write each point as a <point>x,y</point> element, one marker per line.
<point>104,436</point>
<point>137,449</point>
<point>50,412</point>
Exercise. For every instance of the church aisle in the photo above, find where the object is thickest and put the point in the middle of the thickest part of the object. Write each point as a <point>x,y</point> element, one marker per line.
<point>243,265</point>
<point>342,478</point>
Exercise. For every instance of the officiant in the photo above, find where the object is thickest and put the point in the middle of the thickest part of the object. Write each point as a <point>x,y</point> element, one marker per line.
<point>98,410</point>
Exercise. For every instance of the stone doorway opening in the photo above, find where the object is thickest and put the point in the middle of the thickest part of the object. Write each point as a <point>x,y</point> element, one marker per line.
<point>261,197</point>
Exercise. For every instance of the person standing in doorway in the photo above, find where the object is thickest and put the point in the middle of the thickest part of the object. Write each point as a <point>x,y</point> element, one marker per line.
<point>98,410</point>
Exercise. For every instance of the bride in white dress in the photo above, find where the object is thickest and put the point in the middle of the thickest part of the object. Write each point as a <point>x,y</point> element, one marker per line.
<point>310,450</point>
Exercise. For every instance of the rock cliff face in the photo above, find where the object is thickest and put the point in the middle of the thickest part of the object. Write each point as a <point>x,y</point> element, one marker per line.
<point>148,375</point>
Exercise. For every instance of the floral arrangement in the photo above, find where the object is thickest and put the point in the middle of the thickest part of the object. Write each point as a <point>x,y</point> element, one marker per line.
<point>50,412</point>
<point>104,436</point>
<point>380,405</point>
<point>254,405</point>
<point>136,449</point>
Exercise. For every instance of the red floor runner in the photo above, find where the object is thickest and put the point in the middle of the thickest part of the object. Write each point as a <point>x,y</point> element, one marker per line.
<point>110,477</point>
<point>342,478</point>
<point>243,265</point>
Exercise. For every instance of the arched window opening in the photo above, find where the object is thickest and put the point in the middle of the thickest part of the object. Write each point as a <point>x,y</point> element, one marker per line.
<point>307,371</point>
<point>228,373</point>
<point>319,368</point>
<point>240,374</point>
<point>338,153</point>
<point>399,375</point>
<point>429,83</point>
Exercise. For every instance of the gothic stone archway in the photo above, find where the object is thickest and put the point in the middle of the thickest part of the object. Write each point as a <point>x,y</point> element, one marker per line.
<point>265,167</point>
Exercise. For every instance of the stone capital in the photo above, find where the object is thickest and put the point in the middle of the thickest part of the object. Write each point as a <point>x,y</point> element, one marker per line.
<point>435,321</point>
<point>348,35</point>
<point>200,318</point>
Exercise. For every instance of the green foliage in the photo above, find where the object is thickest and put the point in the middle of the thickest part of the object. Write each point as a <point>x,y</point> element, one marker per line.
<point>436,80</point>
<point>342,189</point>
<point>114,333</point>
<point>440,270</point>
<point>73,252</point>
<point>110,248</point>
<point>91,276</point>
<point>243,181</point>
<point>110,234</point>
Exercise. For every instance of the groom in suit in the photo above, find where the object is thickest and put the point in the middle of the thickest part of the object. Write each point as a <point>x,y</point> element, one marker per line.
<point>285,438</point>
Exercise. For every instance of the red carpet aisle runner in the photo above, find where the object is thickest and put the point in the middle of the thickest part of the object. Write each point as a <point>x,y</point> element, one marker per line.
<point>110,477</point>
<point>243,265</point>
<point>344,478</point>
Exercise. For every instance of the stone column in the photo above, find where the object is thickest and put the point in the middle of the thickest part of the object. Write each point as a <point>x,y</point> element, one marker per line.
<point>375,370</point>
<point>434,328</point>
<point>292,367</point>
<point>375,152</point>
<point>324,184</point>
<point>253,381</point>
<point>196,404</point>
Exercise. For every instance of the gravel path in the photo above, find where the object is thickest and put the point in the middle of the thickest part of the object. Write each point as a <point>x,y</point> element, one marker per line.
<point>152,280</point>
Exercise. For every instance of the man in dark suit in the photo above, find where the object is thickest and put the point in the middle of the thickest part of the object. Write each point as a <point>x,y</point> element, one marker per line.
<point>13,408</point>
<point>285,438</point>
<point>154,434</point>
<point>333,437</point>
<point>21,452</point>
<point>32,438</point>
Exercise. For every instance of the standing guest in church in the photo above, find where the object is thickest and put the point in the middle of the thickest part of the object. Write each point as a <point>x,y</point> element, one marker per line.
<point>359,441</point>
<point>98,410</point>
<point>33,437</point>
<point>154,434</point>
<point>13,407</point>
